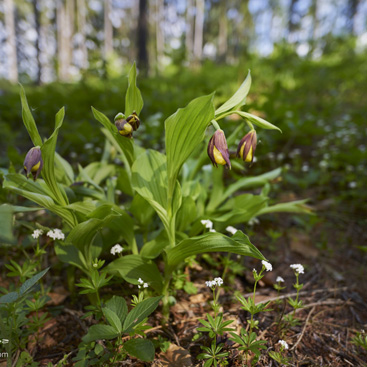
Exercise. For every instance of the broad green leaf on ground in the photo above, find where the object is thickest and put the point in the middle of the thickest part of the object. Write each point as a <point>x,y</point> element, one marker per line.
<point>112,319</point>
<point>153,248</point>
<point>184,131</point>
<point>118,305</point>
<point>126,145</point>
<point>83,234</point>
<point>211,242</point>
<point>133,99</point>
<point>140,312</point>
<point>133,267</point>
<point>69,254</point>
<point>149,179</point>
<point>98,332</point>
<point>258,121</point>
<point>28,120</point>
<point>238,99</point>
<point>6,224</point>
<point>142,349</point>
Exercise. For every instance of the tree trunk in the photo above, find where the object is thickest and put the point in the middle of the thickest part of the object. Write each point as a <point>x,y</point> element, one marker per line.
<point>189,37</point>
<point>11,40</point>
<point>142,32</point>
<point>82,15</point>
<point>37,21</point>
<point>223,33</point>
<point>291,24</point>
<point>159,32</point>
<point>199,29</point>
<point>352,10</point>
<point>108,30</point>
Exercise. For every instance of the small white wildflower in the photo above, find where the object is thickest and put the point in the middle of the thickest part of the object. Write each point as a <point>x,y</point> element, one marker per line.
<point>298,268</point>
<point>352,185</point>
<point>219,281</point>
<point>212,230</point>
<point>231,229</point>
<point>268,266</point>
<point>95,265</point>
<point>141,281</point>
<point>283,343</point>
<point>36,233</point>
<point>280,280</point>
<point>145,285</point>
<point>56,234</point>
<point>207,223</point>
<point>305,167</point>
<point>117,249</point>
<point>211,283</point>
<point>254,270</point>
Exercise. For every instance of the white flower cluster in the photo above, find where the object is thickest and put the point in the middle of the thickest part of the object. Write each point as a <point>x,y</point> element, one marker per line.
<point>142,283</point>
<point>298,268</point>
<point>117,249</point>
<point>56,234</point>
<point>279,280</point>
<point>213,283</point>
<point>283,343</point>
<point>36,233</point>
<point>231,229</point>
<point>268,266</point>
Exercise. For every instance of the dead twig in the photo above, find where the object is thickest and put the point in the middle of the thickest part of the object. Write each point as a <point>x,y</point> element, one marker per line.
<point>304,328</point>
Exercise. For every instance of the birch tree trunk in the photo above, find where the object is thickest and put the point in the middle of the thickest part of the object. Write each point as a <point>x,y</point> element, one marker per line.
<point>223,32</point>
<point>37,21</point>
<point>199,29</point>
<point>108,30</point>
<point>11,40</point>
<point>189,37</point>
<point>82,16</point>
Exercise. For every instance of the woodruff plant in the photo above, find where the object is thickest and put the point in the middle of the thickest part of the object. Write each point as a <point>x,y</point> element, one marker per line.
<point>94,219</point>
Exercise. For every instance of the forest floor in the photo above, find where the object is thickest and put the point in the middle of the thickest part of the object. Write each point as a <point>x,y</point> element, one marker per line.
<point>334,297</point>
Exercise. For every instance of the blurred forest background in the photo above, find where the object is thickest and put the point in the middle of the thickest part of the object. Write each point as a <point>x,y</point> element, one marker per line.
<point>47,40</point>
<point>307,59</point>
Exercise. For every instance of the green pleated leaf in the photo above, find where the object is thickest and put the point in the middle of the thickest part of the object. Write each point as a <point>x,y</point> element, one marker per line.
<point>185,129</point>
<point>238,99</point>
<point>9,297</point>
<point>142,349</point>
<point>112,319</point>
<point>258,121</point>
<point>118,305</point>
<point>149,179</point>
<point>98,332</point>
<point>125,144</point>
<point>33,191</point>
<point>28,119</point>
<point>298,206</point>
<point>48,156</point>
<point>133,267</point>
<point>133,99</point>
<point>211,242</point>
<point>140,312</point>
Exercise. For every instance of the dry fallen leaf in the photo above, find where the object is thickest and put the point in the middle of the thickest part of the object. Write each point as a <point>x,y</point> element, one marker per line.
<point>175,357</point>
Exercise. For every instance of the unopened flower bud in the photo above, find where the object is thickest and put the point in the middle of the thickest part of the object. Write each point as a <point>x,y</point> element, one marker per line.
<point>33,162</point>
<point>123,127</point>
<point>218,149</point>
<point>134,121</point>
<point>247,146</point>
